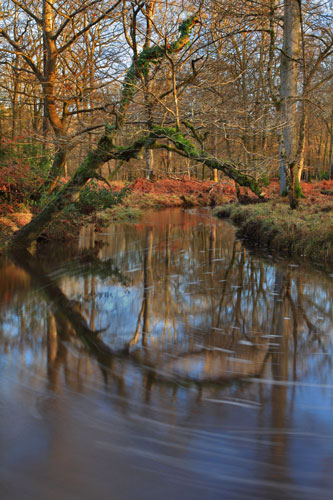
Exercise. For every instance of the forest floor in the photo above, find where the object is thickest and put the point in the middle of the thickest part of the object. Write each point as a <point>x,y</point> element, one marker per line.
<point>307,231</point>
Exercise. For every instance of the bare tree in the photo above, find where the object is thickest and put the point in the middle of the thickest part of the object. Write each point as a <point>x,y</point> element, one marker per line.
<point>60,28</point>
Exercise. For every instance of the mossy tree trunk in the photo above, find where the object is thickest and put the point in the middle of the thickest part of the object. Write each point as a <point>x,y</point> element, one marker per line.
<point>106,150</point>
<point>57,169</point>
<point>149,154</point>
<point>69,193</point>
<point>289,79</point>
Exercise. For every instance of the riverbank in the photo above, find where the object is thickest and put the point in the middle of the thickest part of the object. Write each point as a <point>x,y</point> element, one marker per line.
<point>102,204</point>
<point>306,232</point>
<point>303,233</point>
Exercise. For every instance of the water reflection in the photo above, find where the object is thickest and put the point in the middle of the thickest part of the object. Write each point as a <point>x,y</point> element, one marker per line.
<point>168,350</point>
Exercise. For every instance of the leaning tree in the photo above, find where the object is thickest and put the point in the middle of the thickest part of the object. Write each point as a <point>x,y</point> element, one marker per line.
<point>181,137</point>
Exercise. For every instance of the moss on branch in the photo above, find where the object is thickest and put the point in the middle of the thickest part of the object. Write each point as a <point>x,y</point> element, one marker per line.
<point>185,147</point>
<point>148,57</point>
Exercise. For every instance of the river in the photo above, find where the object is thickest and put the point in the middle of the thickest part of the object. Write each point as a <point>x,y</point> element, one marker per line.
<point>163,359</point>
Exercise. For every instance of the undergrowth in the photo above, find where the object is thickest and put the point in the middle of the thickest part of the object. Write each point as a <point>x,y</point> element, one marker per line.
<point>95,198</point>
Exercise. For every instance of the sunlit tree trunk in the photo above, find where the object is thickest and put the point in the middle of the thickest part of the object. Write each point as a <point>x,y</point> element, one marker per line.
<point>288,90</point>
<point>149,154</point>
<point>16,84</point>
<point>49,87</point>
<point>330,160</point>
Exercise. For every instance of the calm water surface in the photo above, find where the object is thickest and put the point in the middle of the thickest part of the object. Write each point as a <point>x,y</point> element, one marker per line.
<point>163,360</point>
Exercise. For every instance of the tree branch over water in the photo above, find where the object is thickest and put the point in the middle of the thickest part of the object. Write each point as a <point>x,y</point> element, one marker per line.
<point>107,150</point>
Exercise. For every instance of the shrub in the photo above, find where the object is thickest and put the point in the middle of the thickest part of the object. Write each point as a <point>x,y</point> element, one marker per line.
<point>324,176</point>
<point>23,169</point>
<point>93,197</point>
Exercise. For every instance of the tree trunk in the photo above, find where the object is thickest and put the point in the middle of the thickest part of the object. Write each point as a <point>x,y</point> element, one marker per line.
<point>288,90</point>
<point>330,160</point>
<point>57,169</point>
<point>149,155</point>
<point>68,194</point>
<point>283,183</point>
<point>49,89</point>
<point>105,151</point>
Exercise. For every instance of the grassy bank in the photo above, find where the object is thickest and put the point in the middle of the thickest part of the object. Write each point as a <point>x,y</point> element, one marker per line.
<point>306,232</point>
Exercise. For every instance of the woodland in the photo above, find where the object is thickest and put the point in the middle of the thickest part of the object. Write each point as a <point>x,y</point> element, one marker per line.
<point>148,347</point>
<point>101,91</point>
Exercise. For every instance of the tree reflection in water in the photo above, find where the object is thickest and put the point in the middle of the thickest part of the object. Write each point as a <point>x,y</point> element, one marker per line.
<point>173,313</point>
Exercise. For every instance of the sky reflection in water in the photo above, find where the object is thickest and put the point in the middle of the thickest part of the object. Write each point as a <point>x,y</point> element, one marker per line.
<point>210,374</point>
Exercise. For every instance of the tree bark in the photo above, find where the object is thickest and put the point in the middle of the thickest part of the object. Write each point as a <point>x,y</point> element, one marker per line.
<point>288,92</point>
<point>330,160</point>
<point>149,155</point>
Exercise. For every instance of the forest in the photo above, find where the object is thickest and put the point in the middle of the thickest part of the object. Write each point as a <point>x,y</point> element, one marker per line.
<point>208,90</point>
<point>166,249</point>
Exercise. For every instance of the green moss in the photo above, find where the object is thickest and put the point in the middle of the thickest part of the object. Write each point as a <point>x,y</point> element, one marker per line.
<point>185,146</point>
<point>298,189</point>
<point>186,25</point>
<point>151,56</point>
<point>265,180</point>
<point>119,213</point>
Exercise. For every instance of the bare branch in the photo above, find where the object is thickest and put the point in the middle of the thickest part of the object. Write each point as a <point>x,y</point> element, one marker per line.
<point>88,27</point>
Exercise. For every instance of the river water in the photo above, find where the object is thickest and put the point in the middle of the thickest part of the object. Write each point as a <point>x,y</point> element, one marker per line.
<point>160,360</point>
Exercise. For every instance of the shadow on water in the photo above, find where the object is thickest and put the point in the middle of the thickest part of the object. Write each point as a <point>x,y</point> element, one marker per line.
<point>163,358</point>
